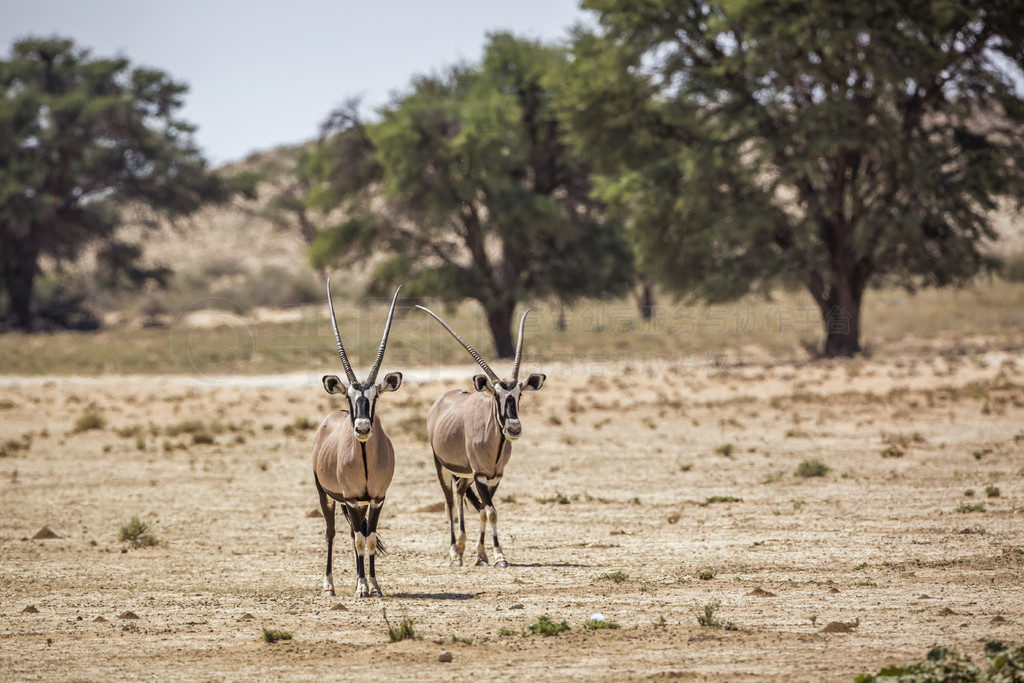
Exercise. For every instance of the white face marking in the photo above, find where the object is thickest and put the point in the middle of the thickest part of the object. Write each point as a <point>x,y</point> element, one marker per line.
<point>370,393</point>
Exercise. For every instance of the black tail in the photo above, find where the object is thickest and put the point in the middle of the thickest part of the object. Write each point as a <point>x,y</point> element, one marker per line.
<point>474,501</point>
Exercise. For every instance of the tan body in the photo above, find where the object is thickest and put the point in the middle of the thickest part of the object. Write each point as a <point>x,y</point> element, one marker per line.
<point>350,470</point>
<point>464,434</point>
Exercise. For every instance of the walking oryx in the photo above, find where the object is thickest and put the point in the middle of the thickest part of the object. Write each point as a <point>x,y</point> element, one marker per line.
<point>471,435</point>
<point>353,460</point>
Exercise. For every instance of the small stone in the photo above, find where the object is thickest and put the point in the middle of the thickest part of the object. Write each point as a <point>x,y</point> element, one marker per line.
<point>128,615</point>
<point>761,593</point>
<point>31,609</point>
<point>45,533</point>
<point>314,513</point>
<point>445,656</point>
<point>339,608</point>
<point>998,619</point>
<point>833,589</point>
<point>246,617</point>
<point>100,620</point>
<point>518,605</point>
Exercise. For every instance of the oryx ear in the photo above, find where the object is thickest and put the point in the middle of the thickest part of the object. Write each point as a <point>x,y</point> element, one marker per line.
<point>533,383</point>
<point>391,382</point>
<point>482,383</point>
<point>333,385</point>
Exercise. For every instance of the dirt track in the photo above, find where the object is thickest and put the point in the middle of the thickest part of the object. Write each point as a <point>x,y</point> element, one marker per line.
<point>633,454</point>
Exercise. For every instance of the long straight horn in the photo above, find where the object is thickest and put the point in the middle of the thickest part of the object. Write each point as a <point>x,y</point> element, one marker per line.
<point>371,378</point>
<point>476,356</point>
<point>337,337</point>
<point>519,347</point>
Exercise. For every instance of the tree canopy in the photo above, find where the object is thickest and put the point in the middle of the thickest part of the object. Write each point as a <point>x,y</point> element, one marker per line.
<point>466,188</point>
<point>835,145</point>
<point>81,138</point>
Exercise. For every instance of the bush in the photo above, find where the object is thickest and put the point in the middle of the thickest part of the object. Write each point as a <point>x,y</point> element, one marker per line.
<point>1013,267</point>
<point>89,421</point>
<point>812,468</point>
<point>136,533</point>
<point>272,635</point>
<point>545,627</point>
<point>1006,663</point>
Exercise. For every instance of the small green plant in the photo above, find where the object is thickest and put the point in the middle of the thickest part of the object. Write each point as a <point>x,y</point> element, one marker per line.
<point>185,427</point>
<point>725,449</point>
<point>598,624</point>
<point>136,533</point>
<point>89,421</point>
<point>812,468</point>
<point>992,491</point>
<point>971,507</point>
<point>404,630</point>
<point>813,619</point>
<point>506,631</point>
<point>545,627</point>
<point>617,576</point>
<point>706,617</point>
<point>460,639</point>
<point>272,635</point>
<point>706,574</point>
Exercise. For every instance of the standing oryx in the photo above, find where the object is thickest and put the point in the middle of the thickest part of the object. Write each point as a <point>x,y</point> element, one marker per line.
<point>471,435</point>
<point>353,460</point>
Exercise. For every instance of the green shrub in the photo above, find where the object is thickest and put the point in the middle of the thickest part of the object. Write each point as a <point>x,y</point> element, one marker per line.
<point>706,617</point>
<point>1013,267</point>
<point>404,630</point>
<point>545,627</point>
<point>272,635</point>
<point>89,421</point>
<point>1006,664</point>
<point>812,468</point>
<point>136,533</point>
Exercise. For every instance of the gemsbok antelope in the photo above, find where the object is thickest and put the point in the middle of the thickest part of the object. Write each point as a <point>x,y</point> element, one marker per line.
<point>471,435</point>
<point>353,460</point>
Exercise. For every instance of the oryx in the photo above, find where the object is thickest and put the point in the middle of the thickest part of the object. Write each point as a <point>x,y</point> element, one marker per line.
<point>471,435</point>
<point>353,460</point>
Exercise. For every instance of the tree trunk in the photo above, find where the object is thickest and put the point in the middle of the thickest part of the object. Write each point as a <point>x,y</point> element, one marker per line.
<point>19,272</point>
<point>499,320</point>
<point>840,315</point>
<point>645,301</point>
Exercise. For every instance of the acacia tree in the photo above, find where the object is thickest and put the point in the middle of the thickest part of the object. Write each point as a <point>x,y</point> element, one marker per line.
<point>81,138</point>
<point>467,189</point>
<point>833,144</point>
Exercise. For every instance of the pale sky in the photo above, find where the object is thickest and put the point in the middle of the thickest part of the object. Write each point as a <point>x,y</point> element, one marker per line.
<point>263,73</point>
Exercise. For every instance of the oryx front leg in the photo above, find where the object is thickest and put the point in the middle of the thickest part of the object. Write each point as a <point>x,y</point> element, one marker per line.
<point>357,521</point>
<point>486,488</point>
<point>459,541</point>
<point>372,546</point>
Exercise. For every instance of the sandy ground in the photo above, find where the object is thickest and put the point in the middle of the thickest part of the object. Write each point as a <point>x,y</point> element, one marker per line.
<point>611,480</point>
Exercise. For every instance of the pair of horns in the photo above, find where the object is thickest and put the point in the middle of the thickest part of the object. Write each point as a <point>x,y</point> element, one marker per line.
<point>476,356</point>
<point>371,378</point>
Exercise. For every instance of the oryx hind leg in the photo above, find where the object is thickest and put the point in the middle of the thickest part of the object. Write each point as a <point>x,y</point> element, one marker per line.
<point>327,507</point>
<point>447,487</point>
<point>487,491</point>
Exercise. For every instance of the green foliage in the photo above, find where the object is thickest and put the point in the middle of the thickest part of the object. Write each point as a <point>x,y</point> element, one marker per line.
<point>89,421</point>
<point>1006,665</point>
<point>706,617</point>
<point>720,499</point>
<point>481,197</point>
<point>82,138</point>
<point>404,631</point>
<point>812,468</point>
<point>136,533</point>
<point>545,627</point>
<point>1013,267</point>
<point>598,624</point>
<point>272,635</point>
<point>617,576</point>
<point>749,144</point>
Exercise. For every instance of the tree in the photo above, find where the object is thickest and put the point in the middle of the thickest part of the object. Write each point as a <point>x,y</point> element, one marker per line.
<point>81,138</point>
<point>467,187</point>
<point>830,144</point>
